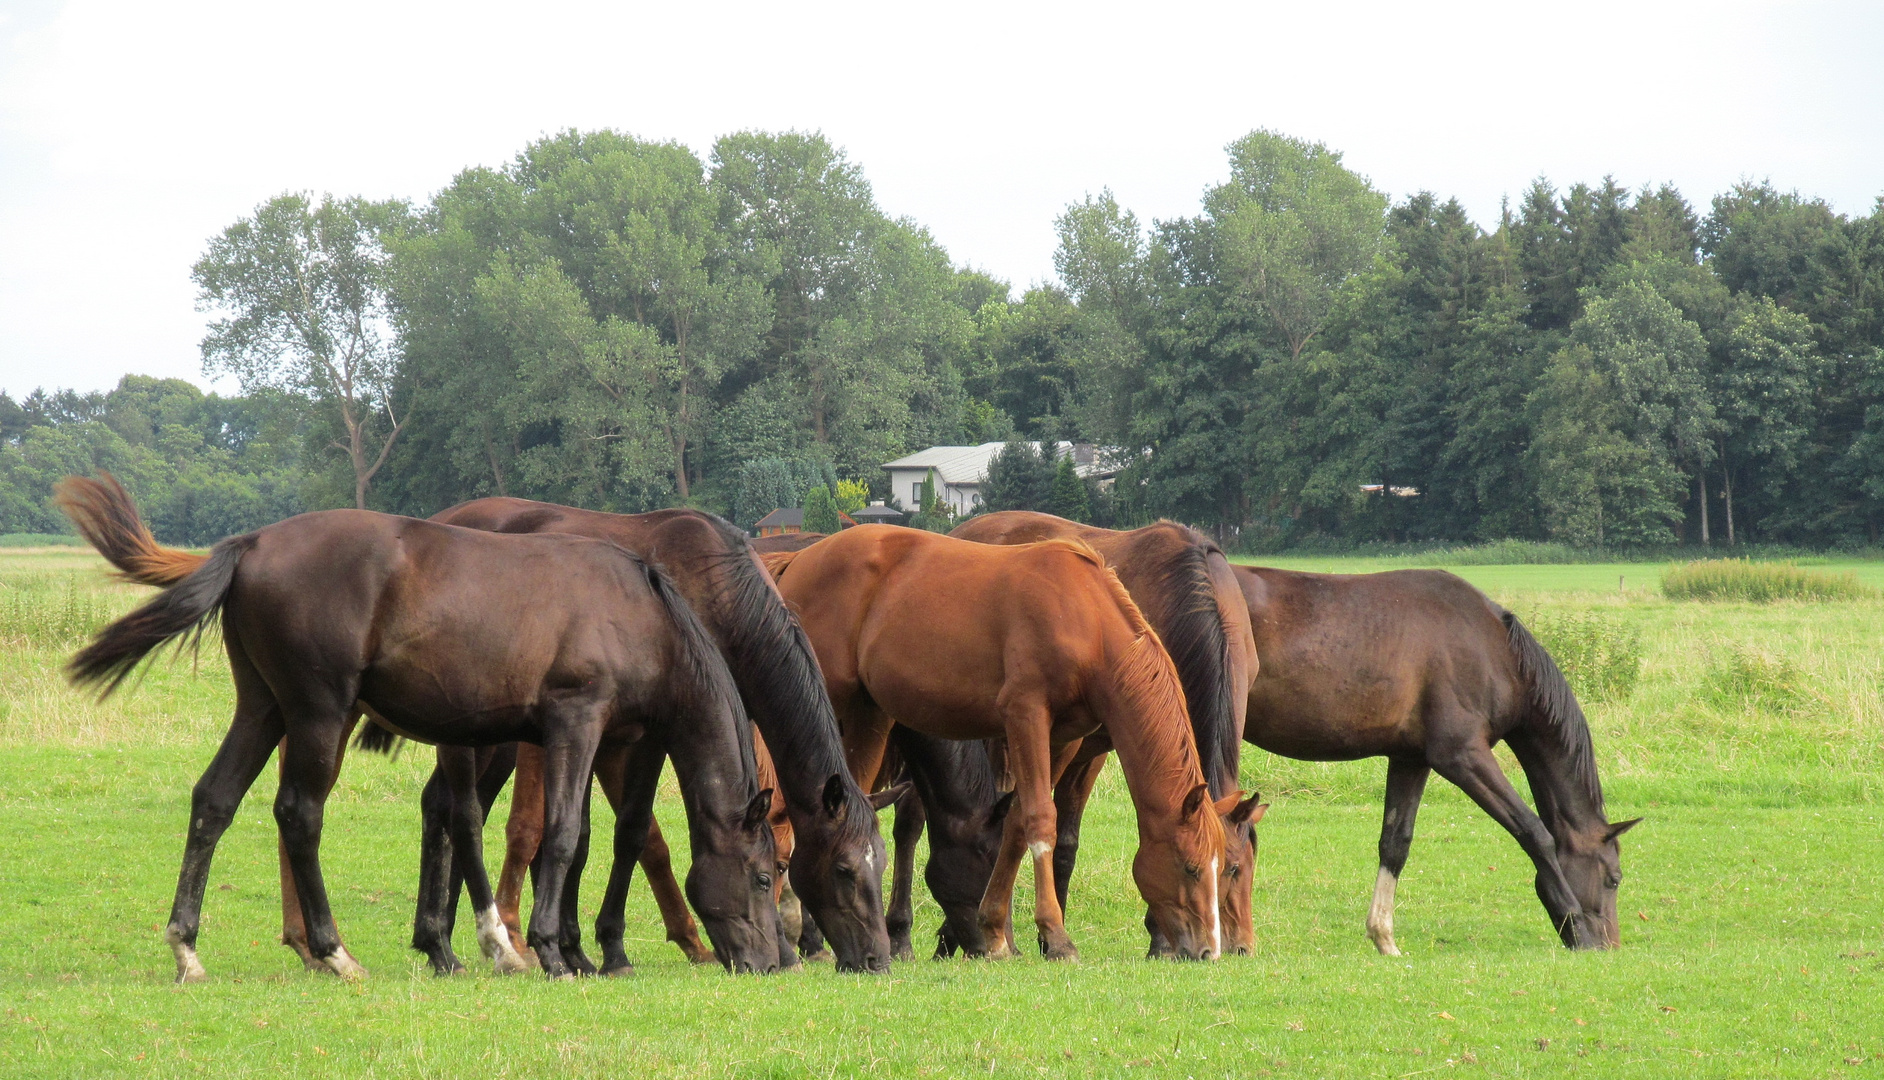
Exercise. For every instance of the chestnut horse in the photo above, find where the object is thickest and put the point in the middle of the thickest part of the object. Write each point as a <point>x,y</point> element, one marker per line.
<point>836,869</point>
<point>1042,645</point>
<point>1181,581</point>
<point>455,637</point>
<point>1419,667</point>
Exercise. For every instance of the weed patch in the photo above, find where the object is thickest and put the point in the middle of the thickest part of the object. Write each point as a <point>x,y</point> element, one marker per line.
<point>1759,583</point>
<point>47,613</point>
<point>1600,654</point>
<point>1745,679</point>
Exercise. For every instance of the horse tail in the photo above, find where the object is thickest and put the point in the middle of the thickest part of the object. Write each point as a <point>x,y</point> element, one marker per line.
<point>107,518</point>
<point>1551,707</point>
<point>184,608</point>
<point>1193,633</point>
<point>776,562</point>
<point>704,681</point>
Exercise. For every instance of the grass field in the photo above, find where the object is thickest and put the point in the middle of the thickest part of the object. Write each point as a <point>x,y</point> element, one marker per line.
<point>1753,936</point>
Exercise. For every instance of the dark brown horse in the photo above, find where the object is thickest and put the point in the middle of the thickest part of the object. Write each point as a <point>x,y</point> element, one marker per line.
<point>1419,667</point>
<point>454,637</point>
<point>1039,644</point>
<point>1182,582</point>
<point>836,869</point>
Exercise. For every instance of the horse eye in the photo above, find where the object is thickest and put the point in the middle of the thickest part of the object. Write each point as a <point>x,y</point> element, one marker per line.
<point>1235,869</point>
<point>765,881</point>
<point>1193,871</point>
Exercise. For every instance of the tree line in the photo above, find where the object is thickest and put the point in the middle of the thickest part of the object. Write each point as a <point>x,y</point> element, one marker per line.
<point>621,324</point>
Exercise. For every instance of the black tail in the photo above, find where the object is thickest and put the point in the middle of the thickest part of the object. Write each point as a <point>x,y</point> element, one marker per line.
<point>1554,714</point>
<point>1192,629</point>
<point>183,608</point>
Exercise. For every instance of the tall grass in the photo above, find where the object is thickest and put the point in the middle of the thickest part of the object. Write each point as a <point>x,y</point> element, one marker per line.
<point>1599,653</point>
<point>50,613</point>
<point>1759,583</point>
<point>1743,678</point>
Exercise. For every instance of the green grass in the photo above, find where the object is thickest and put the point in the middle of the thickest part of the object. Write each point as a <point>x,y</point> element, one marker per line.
<point>1761,583</point>
<point>1753,943</point>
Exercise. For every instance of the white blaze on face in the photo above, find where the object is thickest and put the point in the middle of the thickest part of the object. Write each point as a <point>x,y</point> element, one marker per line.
<point>1216,914</point>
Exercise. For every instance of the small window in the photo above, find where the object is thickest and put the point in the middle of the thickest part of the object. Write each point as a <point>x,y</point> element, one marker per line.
<point>915,495</point>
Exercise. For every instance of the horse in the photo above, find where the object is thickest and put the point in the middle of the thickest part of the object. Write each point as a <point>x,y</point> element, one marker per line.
<point>1419,667</point>
<point>1182,582</point>
<point>331,614</point>
<point>1039,644</point>
<point>837,863</point>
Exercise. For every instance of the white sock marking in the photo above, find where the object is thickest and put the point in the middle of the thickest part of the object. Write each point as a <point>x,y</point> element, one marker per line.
<point>1380,913</point>
<point>189,968</point>
<point>1039,848</point>
<point>494,942</point>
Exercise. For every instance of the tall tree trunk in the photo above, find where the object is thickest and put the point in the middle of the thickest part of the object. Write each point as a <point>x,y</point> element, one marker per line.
<point>1700,478</point>
<point>1727,496</point>
<point>497,470</point>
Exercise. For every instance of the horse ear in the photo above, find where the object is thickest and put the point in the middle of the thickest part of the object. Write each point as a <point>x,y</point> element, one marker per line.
<point>757,811</point>
<point>1227,805</point>
<point>1620,827</point>
<point>888,795</point>
<point>1194,802</point>
<point>834,795</point>
<point>998,812</point>
<point>1250,810</point>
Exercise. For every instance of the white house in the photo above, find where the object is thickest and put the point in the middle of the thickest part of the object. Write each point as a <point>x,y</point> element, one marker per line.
<point>960,471</point>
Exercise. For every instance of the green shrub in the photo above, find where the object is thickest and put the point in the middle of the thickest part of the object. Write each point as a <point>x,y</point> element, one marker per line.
<point>1742,678</point>
<point>38,612</point>
<point>1760,583</point>
<point>1601,655</point>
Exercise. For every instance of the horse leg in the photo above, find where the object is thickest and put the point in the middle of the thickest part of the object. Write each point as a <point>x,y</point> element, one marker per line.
<point>1030,830</point>
<point>569,938</point>
<point>213,803</point>
<point>293,930</point>
<point>1070,795</point>
<point>568,760</point>
<point>907,832</point>
<point>630,782</point>
<point>312,755</point>
<point>460,766</point>
<point>523,834</point>
<point>1406,783</point>
<point>432,923</point>
<point>657,868</point>
<point>1475,770</point>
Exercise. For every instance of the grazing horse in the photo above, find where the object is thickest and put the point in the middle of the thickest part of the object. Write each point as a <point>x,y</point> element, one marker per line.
<point>837,865</point>
<point>1419,667</point>
<point>455,637</point>
<point>1042,645</point>
<point>1181,581</point>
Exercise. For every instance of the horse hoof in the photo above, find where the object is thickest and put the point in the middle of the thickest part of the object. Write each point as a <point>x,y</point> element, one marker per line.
<point>902,952</point>
<point>1059,950</point>
<point>341,963</point>
<point>697,953</point>
<point>507,964</point>
<point>618,971</point>
<point>822,956</point>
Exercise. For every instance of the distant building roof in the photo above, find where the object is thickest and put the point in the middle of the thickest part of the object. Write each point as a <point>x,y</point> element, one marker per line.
<point>964,465</point>
<point>878,513</point>
<point>789,515</point>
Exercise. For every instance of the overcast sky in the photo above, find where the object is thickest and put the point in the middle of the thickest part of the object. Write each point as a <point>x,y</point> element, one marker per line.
<point>132,132</point>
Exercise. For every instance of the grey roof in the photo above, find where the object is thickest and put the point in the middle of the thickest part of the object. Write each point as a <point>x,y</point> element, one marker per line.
<point>790,515</point>
<point>876,512</point>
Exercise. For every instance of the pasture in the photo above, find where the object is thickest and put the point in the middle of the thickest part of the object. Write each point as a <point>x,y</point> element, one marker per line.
<point>1753,932</point>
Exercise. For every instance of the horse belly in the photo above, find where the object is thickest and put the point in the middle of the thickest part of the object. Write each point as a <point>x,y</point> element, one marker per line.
<point>1298,723</point>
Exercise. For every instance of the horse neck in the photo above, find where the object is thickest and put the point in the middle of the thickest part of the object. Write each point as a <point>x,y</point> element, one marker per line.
<point>1143,712</point>
<point>1565,801</point>
<point>716,768</point>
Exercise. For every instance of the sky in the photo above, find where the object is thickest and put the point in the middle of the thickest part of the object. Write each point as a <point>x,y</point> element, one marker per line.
<point>132,132</point>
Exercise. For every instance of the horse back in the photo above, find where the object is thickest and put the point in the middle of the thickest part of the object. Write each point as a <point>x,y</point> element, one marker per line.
<point>1360,665</point>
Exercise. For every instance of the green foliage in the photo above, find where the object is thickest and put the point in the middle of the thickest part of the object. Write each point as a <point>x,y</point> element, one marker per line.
<point>821,510</point>
<point>22,540</point>
<point>1758,582</point>
<point>1067,496</point>
<point>1599,653</point>
<point>1741,678</point>
<point>38,612</point>
<point>1019,478</point>
<point>770,484</point>
<point>852,495</point>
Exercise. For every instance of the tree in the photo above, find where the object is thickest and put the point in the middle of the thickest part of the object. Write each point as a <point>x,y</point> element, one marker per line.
<point>933,512</point>
<point>1068,496</point>
<point>303,286</point>
<point>1296,225</point>
<point>1020,477</point>
<point>821,510</point>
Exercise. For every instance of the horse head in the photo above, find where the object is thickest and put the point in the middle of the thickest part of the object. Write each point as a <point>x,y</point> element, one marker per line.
<point>837,872</point>
<point>1591,862</point>
<point>1180,876</point>
<point>731,885</point>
